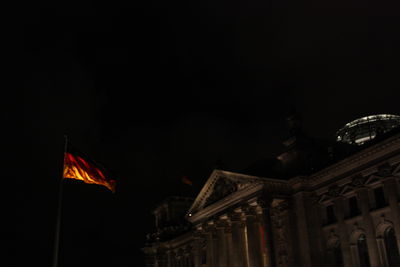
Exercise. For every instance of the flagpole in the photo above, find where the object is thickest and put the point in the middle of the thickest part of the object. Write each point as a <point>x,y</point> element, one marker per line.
<point>59,208</point>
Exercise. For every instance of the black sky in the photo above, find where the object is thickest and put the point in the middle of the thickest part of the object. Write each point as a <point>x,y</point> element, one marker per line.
<point>162,89</point>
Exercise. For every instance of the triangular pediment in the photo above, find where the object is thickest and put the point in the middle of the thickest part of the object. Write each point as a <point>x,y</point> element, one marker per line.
<point>220,185</point>
<point>396,170</point>
<point>324,198</point>
<point>346,190</point>
<point>372,180</point>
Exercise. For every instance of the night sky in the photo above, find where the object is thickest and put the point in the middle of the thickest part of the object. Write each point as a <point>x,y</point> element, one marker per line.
<point>158,90</point>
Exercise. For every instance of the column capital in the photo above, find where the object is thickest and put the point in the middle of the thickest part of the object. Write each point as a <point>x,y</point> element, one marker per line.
<point>235,216</point>
<point>249,210</point>
<point>209,227</point>
<point>220,224</point>
<point>198,233</point>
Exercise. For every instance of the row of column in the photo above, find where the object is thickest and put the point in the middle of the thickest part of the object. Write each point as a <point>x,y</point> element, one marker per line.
<point>239,239</point>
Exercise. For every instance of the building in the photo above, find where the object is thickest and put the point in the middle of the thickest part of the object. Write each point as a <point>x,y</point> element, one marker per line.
<point>317,203</point>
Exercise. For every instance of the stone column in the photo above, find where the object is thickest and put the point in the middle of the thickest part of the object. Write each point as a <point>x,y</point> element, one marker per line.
<point>210,246</point>
<point>343,232</point>
<point>162,260</point>
<point>188,255</point>
<point>172,259</point>
<point>156,261</point>
<point>239,251</point>
<point>264,213</point>
<point>229,244</point>
<point>197,246</point>
<point>150,260</point>
<point>178,257</point>
<point>363,201</point>
<point>303,235</point>
<point>253,236</point>
<point>391,191</point>
<point>354,253</point>
<point>222,245</point>
<point>216,255</point>
<point>168,257</point>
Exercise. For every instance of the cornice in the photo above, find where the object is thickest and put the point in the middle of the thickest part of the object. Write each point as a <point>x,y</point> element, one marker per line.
<point>205,191</point>
<point>359,159</point>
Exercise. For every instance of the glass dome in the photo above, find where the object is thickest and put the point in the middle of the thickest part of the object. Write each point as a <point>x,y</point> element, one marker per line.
<point>366,128</point>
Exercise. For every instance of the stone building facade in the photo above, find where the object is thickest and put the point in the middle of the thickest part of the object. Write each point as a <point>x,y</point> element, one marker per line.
<point>346,213</point>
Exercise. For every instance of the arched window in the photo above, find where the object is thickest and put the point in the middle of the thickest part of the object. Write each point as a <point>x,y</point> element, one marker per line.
<point>363,251</point>
<point>392,251</point>
<point>335,257</point>
<point>338,257</point>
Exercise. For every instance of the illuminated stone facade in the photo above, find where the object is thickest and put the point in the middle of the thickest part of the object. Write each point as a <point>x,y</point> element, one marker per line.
<point>344,214</point>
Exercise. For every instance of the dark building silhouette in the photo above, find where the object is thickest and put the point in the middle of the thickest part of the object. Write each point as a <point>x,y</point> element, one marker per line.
<point>318,203</point>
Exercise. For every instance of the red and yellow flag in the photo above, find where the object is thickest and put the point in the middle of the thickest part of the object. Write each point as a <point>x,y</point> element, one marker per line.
<point>79,167</point>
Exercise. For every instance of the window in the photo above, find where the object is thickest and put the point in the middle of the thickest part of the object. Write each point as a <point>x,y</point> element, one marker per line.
<point>353,207</point>
<point>380,200</point>
<point>392,251</point>
<point>363,251</point>
<point>338,257</point>
<point>330,214</point>
<point>335,257</point>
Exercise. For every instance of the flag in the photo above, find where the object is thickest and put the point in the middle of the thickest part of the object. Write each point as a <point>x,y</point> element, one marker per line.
<point>186,180</point>
<point>81,167</point>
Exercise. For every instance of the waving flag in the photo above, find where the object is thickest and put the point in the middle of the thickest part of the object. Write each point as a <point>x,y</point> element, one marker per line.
<point>80,167</point>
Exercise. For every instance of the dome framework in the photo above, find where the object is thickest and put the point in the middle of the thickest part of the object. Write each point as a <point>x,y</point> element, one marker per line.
<point>366,128</point>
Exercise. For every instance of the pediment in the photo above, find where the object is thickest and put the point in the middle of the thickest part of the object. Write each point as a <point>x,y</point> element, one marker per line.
<point>372,180</point>
<point>220,185</point>
<point>324,198</point>
<point>346,190</point>
<point>396,170</point>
